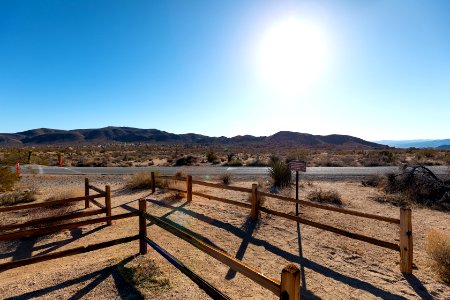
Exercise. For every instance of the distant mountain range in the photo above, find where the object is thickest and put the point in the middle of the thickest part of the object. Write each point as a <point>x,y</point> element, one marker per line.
<point>111,135</point>
<point>441,144</point>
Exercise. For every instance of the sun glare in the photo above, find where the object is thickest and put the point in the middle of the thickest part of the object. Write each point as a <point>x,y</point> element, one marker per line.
<point>291,56</point>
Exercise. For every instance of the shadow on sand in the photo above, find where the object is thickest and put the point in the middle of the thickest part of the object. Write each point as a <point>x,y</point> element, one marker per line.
<point>93,279</point>
<point>246,233</point>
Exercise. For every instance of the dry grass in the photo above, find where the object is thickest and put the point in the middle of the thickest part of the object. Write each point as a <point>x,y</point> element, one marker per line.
<point>7,179</point>
<point>438,247</point>
<point>144,274</point>
<point>139,181</point>
<point>330,196</point>
<point>17,197</point>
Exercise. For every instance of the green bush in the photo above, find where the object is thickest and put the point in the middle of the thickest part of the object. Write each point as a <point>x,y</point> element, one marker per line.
<point>211,156</point>
<point>280,173</point>
<point>226,178</point>
<point>7,179</point>
<point>185,161</point>
<point>235,162</point>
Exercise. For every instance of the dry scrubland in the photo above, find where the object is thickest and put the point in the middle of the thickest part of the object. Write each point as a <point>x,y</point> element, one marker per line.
<point>158,155</point>
<point>334,267</point>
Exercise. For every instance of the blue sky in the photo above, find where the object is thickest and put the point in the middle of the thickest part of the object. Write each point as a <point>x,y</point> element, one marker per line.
<point>381,69</point>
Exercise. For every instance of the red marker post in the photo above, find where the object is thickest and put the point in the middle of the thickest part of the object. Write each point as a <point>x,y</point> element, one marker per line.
<point>17,169</point>
<point>60,158</point>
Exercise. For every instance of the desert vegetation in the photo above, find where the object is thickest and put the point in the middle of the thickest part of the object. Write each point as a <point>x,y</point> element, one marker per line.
<point>141,155</point>
<point>279,172</point>
<point>438,248</point>
<point>412,185</point>
<point>325,196</point>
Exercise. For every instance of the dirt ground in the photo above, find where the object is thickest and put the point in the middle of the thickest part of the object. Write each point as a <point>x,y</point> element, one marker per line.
<point>333,267</point>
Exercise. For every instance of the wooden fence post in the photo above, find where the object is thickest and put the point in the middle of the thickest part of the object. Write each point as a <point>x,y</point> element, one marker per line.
<point>406,241</point>
<point>153,182</point>
<point>108,203</point>
<point>142,227</point>
<point>86,192</point>
<point>189,187</point>
<point>290,283</point>
<point>255,202</point>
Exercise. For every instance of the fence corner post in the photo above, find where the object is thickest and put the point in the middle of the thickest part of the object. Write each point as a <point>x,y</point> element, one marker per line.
<point>142,227</point>
<point>153,182</point>
<point>255,202</point>
<point>290,283</point>
<point>189,187</point>
<point>406,241</point>
<point>86,192</point>
<point>108,203</point>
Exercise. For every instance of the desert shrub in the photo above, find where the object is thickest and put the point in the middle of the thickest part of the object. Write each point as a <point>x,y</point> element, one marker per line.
<point>280,173</point>
<point>297,155</point>
<point>139,181</point>
<point>394,199</point>
<point>426,153</point>
<point>374,181</point>
<point>257,163</point>
<point>16,197</point>
<point>230,156</point>
<point>319,195</point>
<point>226,178</point>
<point>179,174</point>
<point>143,273</point>
<point>378,158</point>
<point>446,158</point>
<point>7,179</point>
<point>421,186</point>
<point>438,248</point>
<point>235,162</point>
<point>211,156</point>
<point>185,161</point>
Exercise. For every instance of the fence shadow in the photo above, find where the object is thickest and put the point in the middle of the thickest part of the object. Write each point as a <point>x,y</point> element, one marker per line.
<point>125,290</point>
<point>248,227</point>
<point>299,259</point>
<point>417,286</point>
<point>25,247</point>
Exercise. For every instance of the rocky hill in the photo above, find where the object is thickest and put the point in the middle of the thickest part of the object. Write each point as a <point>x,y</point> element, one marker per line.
<point>110,135</point>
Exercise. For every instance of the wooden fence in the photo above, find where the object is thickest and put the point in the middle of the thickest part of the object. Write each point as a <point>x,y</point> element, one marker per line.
<point>9,232</point>
<point>287,288</point>
<point>405,247</point>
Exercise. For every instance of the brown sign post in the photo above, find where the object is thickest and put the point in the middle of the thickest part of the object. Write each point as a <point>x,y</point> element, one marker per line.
<point>297,165</point>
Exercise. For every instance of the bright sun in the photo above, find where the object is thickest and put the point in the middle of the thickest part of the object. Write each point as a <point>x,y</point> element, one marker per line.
<point>291,56</point>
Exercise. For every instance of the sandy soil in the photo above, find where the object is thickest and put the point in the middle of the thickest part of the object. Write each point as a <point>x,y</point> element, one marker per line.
<point>333,267</point>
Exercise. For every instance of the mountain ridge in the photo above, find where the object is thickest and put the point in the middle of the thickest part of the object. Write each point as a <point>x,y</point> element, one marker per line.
<point>112,134</point>
<point>420,143</point>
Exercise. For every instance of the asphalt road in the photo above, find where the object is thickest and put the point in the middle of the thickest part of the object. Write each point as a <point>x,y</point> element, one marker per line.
<point>244,172</point>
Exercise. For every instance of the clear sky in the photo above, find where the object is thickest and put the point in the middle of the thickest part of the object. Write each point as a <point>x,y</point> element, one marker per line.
<point>375,69</point>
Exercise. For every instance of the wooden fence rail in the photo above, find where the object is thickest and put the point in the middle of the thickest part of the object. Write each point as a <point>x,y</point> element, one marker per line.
<point>56,228</point>
<point>48,203</point>
<point>332,208</point>
<point>50,220</point>
<point>263,280</point>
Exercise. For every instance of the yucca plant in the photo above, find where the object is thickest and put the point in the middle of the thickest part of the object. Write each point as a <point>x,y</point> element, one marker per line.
<point>280,173</point>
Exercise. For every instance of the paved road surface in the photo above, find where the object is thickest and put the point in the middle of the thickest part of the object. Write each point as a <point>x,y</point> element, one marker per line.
<point>245,172</point>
